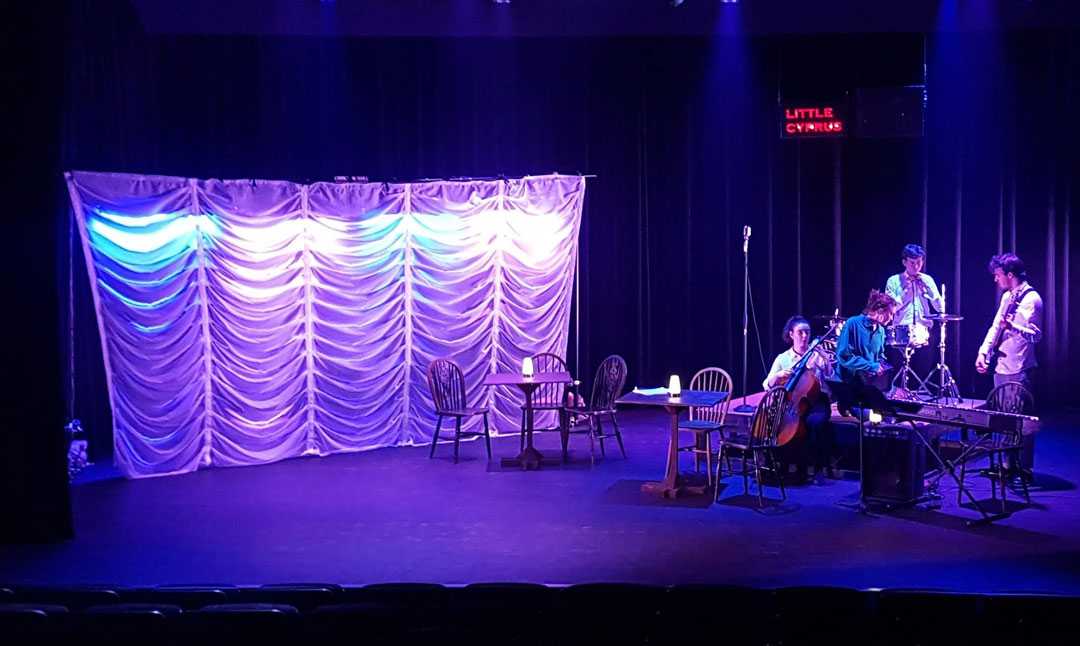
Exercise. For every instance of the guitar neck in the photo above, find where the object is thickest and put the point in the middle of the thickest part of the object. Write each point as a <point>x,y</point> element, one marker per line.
<point>1009,312</point>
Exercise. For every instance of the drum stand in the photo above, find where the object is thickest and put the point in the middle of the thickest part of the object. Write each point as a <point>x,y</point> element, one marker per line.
<point>947,389</point>
<point>905,374</point>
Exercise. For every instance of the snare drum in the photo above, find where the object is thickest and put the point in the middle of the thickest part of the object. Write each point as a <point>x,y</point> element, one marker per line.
<point>902,336</point>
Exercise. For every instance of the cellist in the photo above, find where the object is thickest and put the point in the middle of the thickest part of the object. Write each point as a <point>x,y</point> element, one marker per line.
<point>818,441</point>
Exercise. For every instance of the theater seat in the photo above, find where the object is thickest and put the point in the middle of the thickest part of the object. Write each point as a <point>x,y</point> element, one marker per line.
<point>615,612</point>
<point>303,597</point>
<point>414,595</point>
<point>187,597</point>
<point>1033,618</point>
<point>128,623</point>
<point>931,614</point>
<point>277,622</point>
<point>831,613</point>
<point>375,621</point>
<point>31,620</point>
<point>691,611</point>
<point>72,597</point>
<point>501,613</point>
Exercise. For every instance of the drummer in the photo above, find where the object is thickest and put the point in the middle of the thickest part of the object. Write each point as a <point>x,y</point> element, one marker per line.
<point>915,292</point>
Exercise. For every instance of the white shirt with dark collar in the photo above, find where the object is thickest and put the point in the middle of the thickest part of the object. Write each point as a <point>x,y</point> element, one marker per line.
<point>1017,349</point>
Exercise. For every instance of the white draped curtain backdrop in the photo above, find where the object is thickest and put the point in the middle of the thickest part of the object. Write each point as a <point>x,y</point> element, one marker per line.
<point>244,322</point>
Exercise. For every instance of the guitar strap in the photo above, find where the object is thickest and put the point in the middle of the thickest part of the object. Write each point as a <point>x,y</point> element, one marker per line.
<point>1015,304</point>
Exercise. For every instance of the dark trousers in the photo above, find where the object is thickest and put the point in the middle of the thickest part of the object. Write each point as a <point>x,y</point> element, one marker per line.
<point>819,437</point>
<point>815,448</point>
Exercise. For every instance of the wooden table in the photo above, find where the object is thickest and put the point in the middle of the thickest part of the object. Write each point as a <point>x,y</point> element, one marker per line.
<point>529,458</point>
<point>670,486</point>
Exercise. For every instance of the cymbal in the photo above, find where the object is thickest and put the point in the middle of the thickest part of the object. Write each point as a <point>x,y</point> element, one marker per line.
<point>828,317</point>
<point>944,317</point>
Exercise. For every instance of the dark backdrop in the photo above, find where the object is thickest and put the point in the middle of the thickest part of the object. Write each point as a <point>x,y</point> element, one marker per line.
<point>682,135</point>
<point>34,504</point>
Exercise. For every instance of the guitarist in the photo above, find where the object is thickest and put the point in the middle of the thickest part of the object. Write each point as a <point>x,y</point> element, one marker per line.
<point>1017,326</point>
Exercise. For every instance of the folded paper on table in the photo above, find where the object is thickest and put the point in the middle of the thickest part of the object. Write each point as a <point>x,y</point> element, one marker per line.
<point>651,391</point>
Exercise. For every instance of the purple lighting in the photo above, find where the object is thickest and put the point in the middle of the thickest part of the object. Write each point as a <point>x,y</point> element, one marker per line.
<point>244,323</point>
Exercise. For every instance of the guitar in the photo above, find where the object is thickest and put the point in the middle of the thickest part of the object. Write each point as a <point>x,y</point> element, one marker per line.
<point>995,353</point>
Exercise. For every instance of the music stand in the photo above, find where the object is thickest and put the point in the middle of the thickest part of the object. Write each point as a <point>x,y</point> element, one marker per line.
<point>858,398</point>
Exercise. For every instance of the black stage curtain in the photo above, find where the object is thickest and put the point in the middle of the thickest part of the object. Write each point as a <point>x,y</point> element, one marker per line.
<point>33,475</point>
<point>686,151</point>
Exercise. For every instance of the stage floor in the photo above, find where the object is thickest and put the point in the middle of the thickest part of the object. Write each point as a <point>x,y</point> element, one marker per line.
<point>395,515</point>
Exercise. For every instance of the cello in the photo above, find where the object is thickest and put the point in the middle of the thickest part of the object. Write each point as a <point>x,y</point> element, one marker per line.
<point>803,389</point>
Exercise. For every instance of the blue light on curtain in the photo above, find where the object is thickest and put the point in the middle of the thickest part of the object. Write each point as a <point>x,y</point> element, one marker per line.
<point>247,322</point>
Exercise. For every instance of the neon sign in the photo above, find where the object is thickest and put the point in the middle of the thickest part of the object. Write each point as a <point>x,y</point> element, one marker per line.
<point>812,120</point>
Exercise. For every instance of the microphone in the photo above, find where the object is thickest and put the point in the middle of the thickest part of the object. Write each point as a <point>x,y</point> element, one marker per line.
<point>745,238</point>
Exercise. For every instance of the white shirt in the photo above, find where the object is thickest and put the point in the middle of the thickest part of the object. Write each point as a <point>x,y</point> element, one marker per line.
<point>1017,346</point>
<point>915,297</point>
<point>786,361</point>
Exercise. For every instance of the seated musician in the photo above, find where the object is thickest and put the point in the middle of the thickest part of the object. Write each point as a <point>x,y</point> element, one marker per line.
<point>860,350</point>
<point>819,441</point>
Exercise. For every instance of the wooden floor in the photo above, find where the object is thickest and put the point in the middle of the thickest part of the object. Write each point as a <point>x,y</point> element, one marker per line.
<point>395,515</point>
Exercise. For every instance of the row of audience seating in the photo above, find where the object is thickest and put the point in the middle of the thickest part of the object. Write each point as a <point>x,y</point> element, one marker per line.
<point>516,613</point>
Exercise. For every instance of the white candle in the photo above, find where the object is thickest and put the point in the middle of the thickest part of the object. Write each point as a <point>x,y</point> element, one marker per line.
<point>674,386</point>
<point>527,367</point>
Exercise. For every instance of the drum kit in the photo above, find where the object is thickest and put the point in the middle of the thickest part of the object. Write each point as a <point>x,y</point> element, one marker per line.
<point>939,385</point>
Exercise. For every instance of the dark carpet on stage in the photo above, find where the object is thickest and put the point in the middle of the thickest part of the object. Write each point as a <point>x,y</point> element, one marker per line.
<point>394,515</point>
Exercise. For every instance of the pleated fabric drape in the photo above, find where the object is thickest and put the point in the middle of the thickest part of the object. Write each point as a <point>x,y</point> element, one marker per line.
<point>244,322</point>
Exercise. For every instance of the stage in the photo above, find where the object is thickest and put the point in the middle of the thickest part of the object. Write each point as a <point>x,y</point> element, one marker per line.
<point>393,515</point>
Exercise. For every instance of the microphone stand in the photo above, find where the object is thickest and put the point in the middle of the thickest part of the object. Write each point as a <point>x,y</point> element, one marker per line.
<point>744,407</point>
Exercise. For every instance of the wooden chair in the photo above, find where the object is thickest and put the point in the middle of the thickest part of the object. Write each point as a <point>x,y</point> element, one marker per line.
<point>607,386</point>
<point>447,386</point>
<point>1011,397</point>
<point>550,397</point>
<point>759,445</point>
<point>1003,449</point>
<point>702,422</point>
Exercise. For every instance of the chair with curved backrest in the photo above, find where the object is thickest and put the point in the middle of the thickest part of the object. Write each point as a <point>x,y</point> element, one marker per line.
<point>759,444</point>
<point>550,397</point>
<point>447,386</point>
<point>1005,448</point>
<point>1011,397</point>
<point>702,422</point>
<point>607,385</point>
